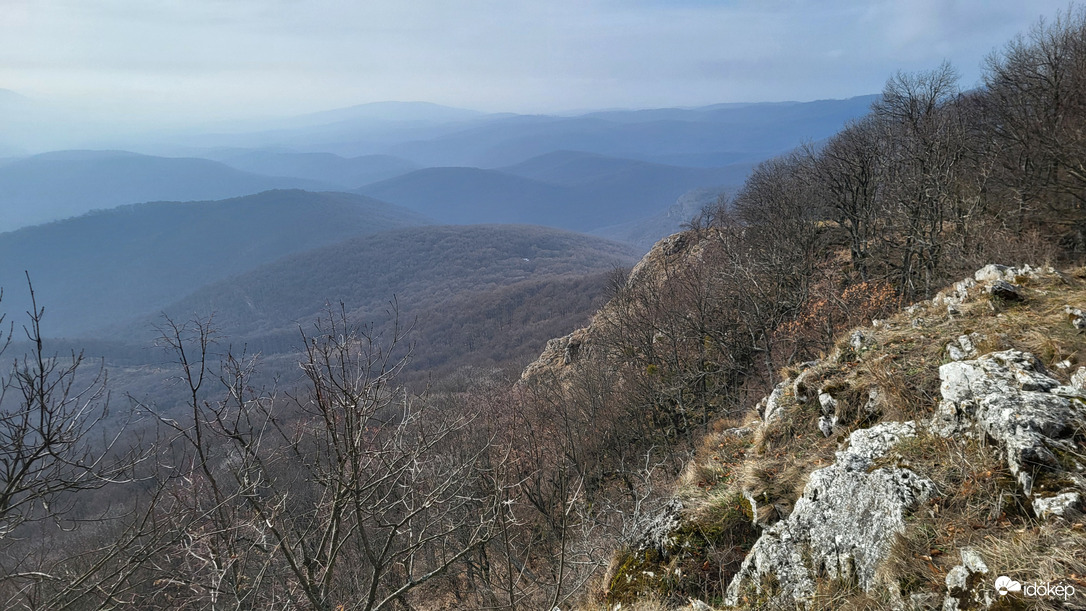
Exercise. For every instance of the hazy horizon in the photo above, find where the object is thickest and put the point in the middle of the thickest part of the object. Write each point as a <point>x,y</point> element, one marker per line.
<point>171,64</point>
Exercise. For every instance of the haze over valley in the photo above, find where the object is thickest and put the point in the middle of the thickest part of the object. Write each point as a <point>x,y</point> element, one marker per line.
<point>111,237</point>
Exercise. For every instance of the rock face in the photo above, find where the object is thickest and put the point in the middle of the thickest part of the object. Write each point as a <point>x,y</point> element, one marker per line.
<point>842,526</point>
<point>1008,397</point>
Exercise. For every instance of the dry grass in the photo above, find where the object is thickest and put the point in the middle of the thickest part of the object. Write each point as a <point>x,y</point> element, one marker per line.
<point>978,504</point>
<point>977,498</point>
<point>1049,554</point>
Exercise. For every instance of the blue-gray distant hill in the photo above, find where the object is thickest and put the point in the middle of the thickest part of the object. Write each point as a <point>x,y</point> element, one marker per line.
<point>108,266</point>
<point>342,172</point>
<point>433,136</point>
<point>63,184</point>
<point>705,137</point>
<point>567,189</point>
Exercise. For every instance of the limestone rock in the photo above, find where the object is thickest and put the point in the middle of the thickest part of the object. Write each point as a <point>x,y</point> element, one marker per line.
<point>993,273</point>
<point>858,340</point>
<point>1067,505</point>
<point>801,388</point>
<point>1007,397</point>
<point>1078,379</point>
<point>558,354</point>
<point>657,532</point>
<point>771,408</point>
<point>963,348</point>
<point>842,526</point>
<point>828,421</point>
<point>953,297</point>
<point>739,431</point>
<point>967,584</point>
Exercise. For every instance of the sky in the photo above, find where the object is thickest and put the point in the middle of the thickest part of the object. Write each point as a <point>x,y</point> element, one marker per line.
<point>222,59</point>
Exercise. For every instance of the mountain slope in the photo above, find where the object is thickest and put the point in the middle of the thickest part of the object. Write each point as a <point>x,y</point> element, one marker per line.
<point>424,269</point>
<point>471,195</point>
<point>110,265</point>
<point>577,191</point>
<point>926,455</point>
<point>63,184</point>
<point>344,173</point>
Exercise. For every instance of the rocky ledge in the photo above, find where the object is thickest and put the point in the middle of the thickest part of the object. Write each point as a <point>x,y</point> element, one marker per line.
<point>995,403</point>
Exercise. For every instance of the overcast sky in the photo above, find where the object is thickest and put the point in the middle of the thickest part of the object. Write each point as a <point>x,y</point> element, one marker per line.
<point>229,58</point>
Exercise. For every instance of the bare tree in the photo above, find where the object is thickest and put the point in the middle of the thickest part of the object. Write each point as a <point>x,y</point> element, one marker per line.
<point>348,494</point>
<point>924,145</point>
<point>1036,111</point>
<point>844,177</point>
<point>65,542</point>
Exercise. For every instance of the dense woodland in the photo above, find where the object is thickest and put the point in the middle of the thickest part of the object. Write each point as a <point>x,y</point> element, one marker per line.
<point>349,492</point>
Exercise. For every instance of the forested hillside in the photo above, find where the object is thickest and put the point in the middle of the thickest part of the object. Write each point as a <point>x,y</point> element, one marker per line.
<point>103,268</point>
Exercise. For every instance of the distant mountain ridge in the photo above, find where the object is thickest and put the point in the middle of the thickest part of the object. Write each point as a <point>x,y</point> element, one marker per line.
<point>107,266</point>
<point>427,136</point>
<point>567,189</point>
<point>344,173</point>
<point>710,136</point>
<point>63,184</point>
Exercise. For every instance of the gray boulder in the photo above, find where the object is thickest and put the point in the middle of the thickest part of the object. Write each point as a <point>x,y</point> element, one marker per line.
<point>1005,291</point>
<point>771,408</point>
<point>1008,397</point>
<point>842,526</point>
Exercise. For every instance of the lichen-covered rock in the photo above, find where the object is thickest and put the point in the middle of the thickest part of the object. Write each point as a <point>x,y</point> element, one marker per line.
<point>771,408</point>
<point>967,584</point>
<point>828,420</point>
<point>994,273</point>
<point>1039,424</point>
<point>964,347</point>
<point>842,526</point>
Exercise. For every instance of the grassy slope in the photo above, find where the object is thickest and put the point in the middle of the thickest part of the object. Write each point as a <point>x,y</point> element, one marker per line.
<point>979,503</point>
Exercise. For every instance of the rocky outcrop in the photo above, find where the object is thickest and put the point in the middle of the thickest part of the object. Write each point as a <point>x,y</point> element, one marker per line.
<point>1009,398</point>
<point>890,507</point>
<point>992,273</point>
<point>842,526</point>
<point>558,354</point>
